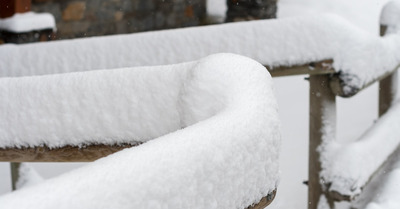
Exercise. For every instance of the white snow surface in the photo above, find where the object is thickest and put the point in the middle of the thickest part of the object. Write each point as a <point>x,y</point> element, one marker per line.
<point>348,167</point>
<point>390,16</point>
<point>358,54</point>
<point>226,156</point>
<point>28,176</point>
<point>29,21</point>
<point>383,191</point>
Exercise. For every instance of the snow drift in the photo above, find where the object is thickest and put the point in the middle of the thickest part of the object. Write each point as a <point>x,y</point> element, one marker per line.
<point>214,121</point>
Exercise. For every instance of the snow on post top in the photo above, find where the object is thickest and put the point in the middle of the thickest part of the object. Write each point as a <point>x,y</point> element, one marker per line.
<point>214,122</point>
<point>390,16</point>
<point>26,22</point>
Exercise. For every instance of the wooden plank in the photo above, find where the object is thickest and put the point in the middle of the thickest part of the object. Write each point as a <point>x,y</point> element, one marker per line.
<point>322,100</point>
<point>264,202</point>
<point>63,154</point>
<point>313,68</point>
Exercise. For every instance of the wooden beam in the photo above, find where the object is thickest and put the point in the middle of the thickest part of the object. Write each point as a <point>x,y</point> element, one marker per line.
<point>338,84</point>
<point>313,68</point>
<point>322,103</point>
<point>264,202</point>
<point>63,154</point>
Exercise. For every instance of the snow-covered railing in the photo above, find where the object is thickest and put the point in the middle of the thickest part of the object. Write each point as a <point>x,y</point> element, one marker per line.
<point>347,169</point>
<point>340,59</point>
<point>210,127</point>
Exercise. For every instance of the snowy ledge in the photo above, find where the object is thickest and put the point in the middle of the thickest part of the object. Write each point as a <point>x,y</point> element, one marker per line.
<point>358,56</point>
<point>27,22</point>
<point>214,125</point>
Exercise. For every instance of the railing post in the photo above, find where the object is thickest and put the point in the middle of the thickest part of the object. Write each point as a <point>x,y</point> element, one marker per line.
<point>387,86</point>
<point>387,92</point>
<point>322,123</point>
<point>14,174</point>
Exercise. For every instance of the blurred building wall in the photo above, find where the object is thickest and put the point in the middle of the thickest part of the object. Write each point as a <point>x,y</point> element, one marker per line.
<point>83,18</point>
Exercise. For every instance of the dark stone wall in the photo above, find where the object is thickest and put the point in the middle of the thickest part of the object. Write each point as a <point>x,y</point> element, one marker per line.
<point>240,10</point>
<point>82,18</point>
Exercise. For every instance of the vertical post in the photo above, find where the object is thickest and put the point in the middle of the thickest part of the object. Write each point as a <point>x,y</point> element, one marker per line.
<point>322,115</point>
<point>387,86</point>
<point>387,92</point>
<point>14,174</point>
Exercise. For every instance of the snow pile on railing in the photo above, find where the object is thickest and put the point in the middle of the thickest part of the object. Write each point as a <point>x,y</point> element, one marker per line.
<point>358,55</point>
<point>27,22</point>
<point>348,168</point>
<point>216,121</point>
<point>390,17</point>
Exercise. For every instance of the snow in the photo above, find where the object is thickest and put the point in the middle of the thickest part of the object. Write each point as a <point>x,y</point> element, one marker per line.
<point>28,176</point>
<point>349,167</point>
<point>287,41</point>
<point>323,203</point>
<point>391,16</point>
<point>293,103</point>
<point>225,157</point>
<point>216,10</point>
<point>383,190</point>
<point>27,22</point>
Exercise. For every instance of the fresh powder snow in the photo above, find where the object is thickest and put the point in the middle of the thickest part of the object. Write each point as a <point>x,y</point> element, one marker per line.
<point>28,176</point>
<point>359,56</point>
<point>215,121</point>
<point>348,167</point>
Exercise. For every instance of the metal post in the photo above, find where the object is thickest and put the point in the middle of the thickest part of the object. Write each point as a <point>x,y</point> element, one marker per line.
<point>322,115</point>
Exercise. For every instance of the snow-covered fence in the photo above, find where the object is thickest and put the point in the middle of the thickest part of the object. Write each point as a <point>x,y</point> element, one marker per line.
<point>347,169</point>
<point>340,59</point>
<point>211,129</point>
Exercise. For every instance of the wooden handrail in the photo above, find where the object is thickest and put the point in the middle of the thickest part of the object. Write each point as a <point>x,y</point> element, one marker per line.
<point>312,68</point>
<point>63,154</point>
<point>338,83</point>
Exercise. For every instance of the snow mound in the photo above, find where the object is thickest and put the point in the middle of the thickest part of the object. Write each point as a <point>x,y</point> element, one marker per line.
<point>359,56</point>
<point>348,168</point>
<point>27,22</point>
<point>215,122</point>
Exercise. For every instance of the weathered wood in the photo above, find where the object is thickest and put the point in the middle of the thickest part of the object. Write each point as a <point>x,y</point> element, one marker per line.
<point>63,154</point>
<point>322,100</point>
<point>314,68</point>
<point>387,92</point>
<point>264,202</point>
<point>14,174</point>
<point>387,86</point>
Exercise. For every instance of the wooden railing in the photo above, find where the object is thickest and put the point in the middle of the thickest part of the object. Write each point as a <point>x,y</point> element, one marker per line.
<point>325,85</point>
